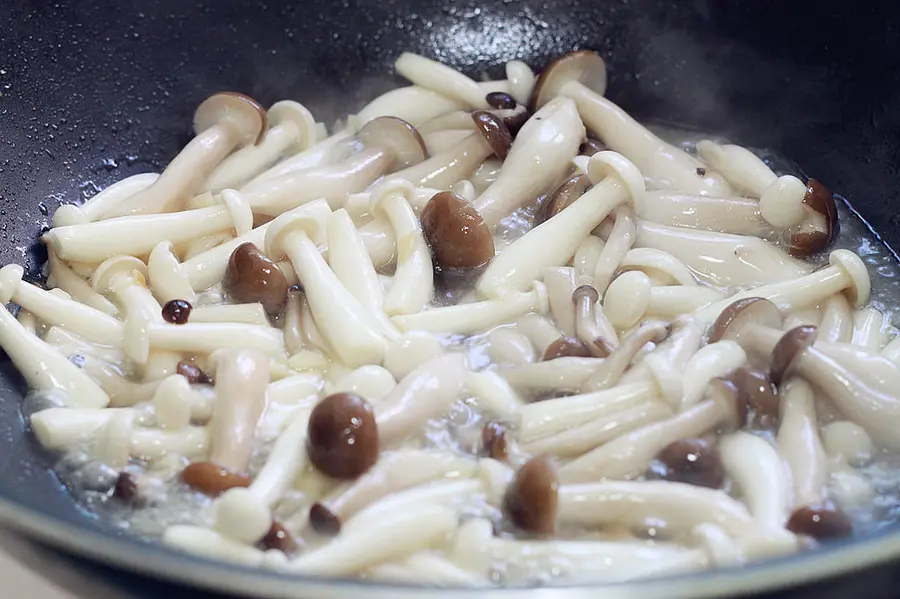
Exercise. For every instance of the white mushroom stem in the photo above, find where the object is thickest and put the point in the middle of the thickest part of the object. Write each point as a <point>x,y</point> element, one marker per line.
<point>241,380</point>
<point>137,235</point>
<point>409,351</point>
<point>245,313</point>
<point>63,277</point>
<point>333,149</point>
<point>291,127</point>
<point>739,216</point>
<point>800,318</point>
<point>54,309</point>
<point>210,544</point>
<point>664,165</point>
<point>585,260</point>
<point>350,330</point>
<point>614,366</point>
<point>870,329</point>
<point>618,243</point>
<point>370,381</point>
<point>206,337</point>
<point>553,242</point>
<point>799,443</point>
<point>493,394</point>
<point>755,467</point>
<point>487,174</point>
<point>27,320</point>
<point>521,80</point>
<point>442,79</point>
<point>121,391</point>
<point>449,166</point>
<point>423,394</point>
<point>540,330</point>
<point>560,282</point>
<point>191,442</point>
<point>425,568</point>
<point>847,441</point>
<point>722,259</point>
<point>568,373</point>
<point>414,104</point>
<point>477,316</point>
<point>507,346</point>
<point>592,326</point>
<point>672,355</point>
<point>395,472</point>
<point>662,268</point>
<point>177,403</point>
<point>891,351</point>
<point>845,272</point>
<point>203,244</point>
<point>710,361</point>
<point>96,207</point>
<point>60,429</point>
<point>631,297</point>
<point>413,284</point>
<point>285,461</point>
<point>679,506</point>
<point>837,321</point>
<point>538,159</point>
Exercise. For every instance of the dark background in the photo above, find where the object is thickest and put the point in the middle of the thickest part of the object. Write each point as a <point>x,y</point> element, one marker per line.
<point>93,91</point>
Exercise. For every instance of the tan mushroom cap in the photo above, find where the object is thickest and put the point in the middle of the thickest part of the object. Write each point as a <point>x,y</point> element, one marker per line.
<point>396,136</point>
<point>532,498</point>
<point>457,235</point>
<point>242,111</point>
<point>788,348</point>
<point>560,198</point>
<point>750,310</point>
<point>494,131</point>
<point>757,399</point>
<point>585,66</point>
<point>820,199</point>
<point>693,461</point>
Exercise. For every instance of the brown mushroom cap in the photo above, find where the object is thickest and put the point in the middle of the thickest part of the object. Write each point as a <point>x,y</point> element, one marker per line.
<point>500,100</point>
<point>820,199</point>
<point>396,136</point>
<point>177,311</point>
<point>212,479</point>
<point>567,347</point>
<point>757,399</point>
<point>514,118</point>
<point>279,538</point>
<point>342,436</point>
<point>323,520</point>
<point>252,277</point>
<point>558,199</point>
<point>788,348</point>
<point>755,310</point>
<point>193,374</point>
<point>493,438</point>
<point>456,233</point>
<point>532,498</point>
<point>820,523</point>
<point>243,111</point>
<point>590,146</point>
<point>126,488</point>
<point>585,66</point>
<point>726,394</point>
<point>693,461</point>
<point>494,131</point>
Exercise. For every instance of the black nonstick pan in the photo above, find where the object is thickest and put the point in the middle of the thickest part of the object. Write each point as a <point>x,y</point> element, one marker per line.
<point>94,91</point>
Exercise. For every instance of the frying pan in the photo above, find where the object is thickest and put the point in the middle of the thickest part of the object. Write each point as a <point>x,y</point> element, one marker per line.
<point>96,90</point>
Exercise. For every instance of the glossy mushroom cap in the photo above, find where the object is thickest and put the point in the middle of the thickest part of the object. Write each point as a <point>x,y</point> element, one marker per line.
<point>212,479</point>
<point>693,461</point>
<point>456,233</point>
<point>788,348</point>
<point>820,199</point>
<point>493,439</point>
<point>820,523</point>
<point>567,347</point>
<point>500,100</point>
<point>757,400</point>
<point>280,539</point>
<point>251,277</point>
<point>323,520</point>
<point>242,111</point>
<point>584,66</point>
<point>342,436</point>
<point>558,199</point>
<point>396,136</point>
<point>494,131</point>
<point>751,310</point>
<point>532,498</point>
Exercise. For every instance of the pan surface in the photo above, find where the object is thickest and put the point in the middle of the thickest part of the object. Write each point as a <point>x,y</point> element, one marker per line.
<point>94,91</point>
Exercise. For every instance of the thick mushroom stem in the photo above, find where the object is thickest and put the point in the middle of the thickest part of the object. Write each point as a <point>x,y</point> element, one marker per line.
<point>586,256</point>
<point>413,283</point>
<point>137,235</point>
<point>756,468</point>
<point>668,360</point>
<point>553,242</point>
<point>351,332</point>
<point>560,283</point>
<point>54,309</point>
<point>332,149</point>
<point>61,429</point>
<point>870,329</point>
<point>493,395</point>
<point>662,268</point>
<point>251,313</point>
<point>286,460</point>
<point>591,324</point>
<point>96,207</point>
<point>446,168</point>
<point>847,273</point>
<point>711,361</point>
<point>241,380</point>
<point>836,325</point>
<point>739,216</point>
<point>618,243</point>
<point>521,80</point>
<point>292,128</point>
<point>222,122</point>
<point>617,362</point>
<point>442,79</point>
<point>477,316</point>
<point>423,394</point>
<point>566,373</point>
<point>631,297</point>
<point>207,337</point>
<point>414,104</point>
<point>681,506</point>
<point>508,346</point>
<point>800,444</point>
<point>722,259</point>
<point>63,277</point>
<point>537,160</point>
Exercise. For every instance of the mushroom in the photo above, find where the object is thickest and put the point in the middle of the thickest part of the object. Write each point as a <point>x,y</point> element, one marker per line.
<point>820,523</point>
<point>531,500</point>
<point>617,246</point>
<point>711,361</point>
<point>65,428</point>
<point>566,347</point>
<point>565,373</point>
<point>846,273</point>
<point>693,461</point>
<point>540,154</point>
<point>253,313</point>
<point>521,80</point>
<point>477,316</point>
<point>96,207</point>
<point>581,75</point>
<point>238,515</point>
<point>241,379</point>
<point>425,568</point>
<point>540,330</point>
<point>722,259</point>
<point>619,359</point>
<point>661,267</point>
<point>214,545</point>
<point>754,322</point>
<point>333,149</point>
<point>413,284</point>
<point>440,78</point>
<point>560,283</point>
<point>870,329</point>
<point>252,277</point>
<point>837,322</point>
<point>342,438</point>
<point>558,199</point>
<point>458,237</point>
<point>285,461</point>
<point>667,361</point>
<point>554,242</point>
<point>222,122</point>
<point>389,144</point>
<point>442,140</point>
<point>736,215</point>
<point>292,129</point>
<point>409,351</point>
<point>63,277</point>
<point>509,346</point>
<point>801,317</point>
<point>800,445</point>
<point>350,330</point>
<point>592,326</point>
<point>631,297</point>
<point>493,395</point>
<point>755,467</point>
<point>414,104</point>
<point>846,441</point>
<point>177,403</point>
<point>137,235</point>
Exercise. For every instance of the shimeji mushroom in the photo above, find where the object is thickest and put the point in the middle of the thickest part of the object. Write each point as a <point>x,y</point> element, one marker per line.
<point>521,80</point>
<point>60,429</point>
<point>459,239</point>
<point>291,129</point>
<point>662,268</point>
<point>560,283</point>
<point>64,278</point>
<point>250,313</point>
<point>96,207</point>
<point>440,78</point>
<point>409,351</point>
<point>631,297</point>
<point>333,149</point>
<point>566,373</point>
<point>620,358</point>
<point>800,444</point>
<point>222,122</point>
<point>425,567</point>
<point>508,346</point>
<point>592,326</point>
<point>711,361</point>
<point>756,469</point>
<point>619,241</point>
<point>414,104</point>
<point>558,199</point>
<point>342,439</point>
<point>870,329</point>
<point>581,76</point>
<point>137,235</point>
<point>252,277</point>
<point>389,144</point>
<point>493,395</point>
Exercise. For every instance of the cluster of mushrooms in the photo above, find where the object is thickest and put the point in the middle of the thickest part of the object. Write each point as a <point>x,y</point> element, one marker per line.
<point>655,379</point>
